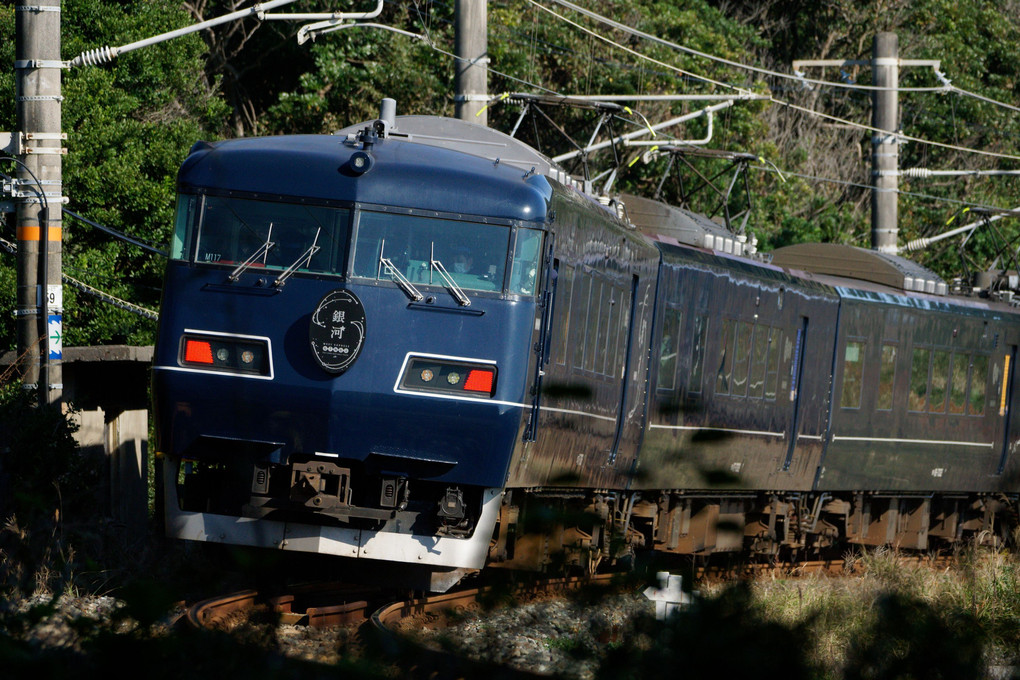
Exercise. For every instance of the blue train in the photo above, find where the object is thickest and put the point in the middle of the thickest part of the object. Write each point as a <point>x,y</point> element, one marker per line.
<point>419,342</point>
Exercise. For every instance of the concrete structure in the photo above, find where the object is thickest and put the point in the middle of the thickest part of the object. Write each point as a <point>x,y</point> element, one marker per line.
<point>108,386</point>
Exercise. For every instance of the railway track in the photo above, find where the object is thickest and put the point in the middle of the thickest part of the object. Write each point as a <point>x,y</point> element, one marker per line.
<point>318,605</point>
<point>327,604</point>
<point>383,628</point>
<point>387,629</point>
<point>322,605</point>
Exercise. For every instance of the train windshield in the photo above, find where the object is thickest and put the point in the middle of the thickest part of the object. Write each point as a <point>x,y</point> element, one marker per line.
<point>474,255</point>
<point>278,235</point>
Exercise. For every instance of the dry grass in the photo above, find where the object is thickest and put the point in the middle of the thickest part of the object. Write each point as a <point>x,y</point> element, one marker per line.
<point>879,601</point>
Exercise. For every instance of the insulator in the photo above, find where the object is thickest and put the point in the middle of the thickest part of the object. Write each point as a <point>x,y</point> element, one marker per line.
<point>916,244</point>
<point>921,173</point>
<point>100,55</point>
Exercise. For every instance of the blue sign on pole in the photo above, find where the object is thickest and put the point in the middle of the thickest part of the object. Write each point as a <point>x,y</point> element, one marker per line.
<point>55,325</point>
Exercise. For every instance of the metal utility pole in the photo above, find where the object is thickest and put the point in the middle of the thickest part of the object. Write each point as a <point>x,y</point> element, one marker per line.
<point>38,197</point>
<point>472,64</point>
<point>885,68</point>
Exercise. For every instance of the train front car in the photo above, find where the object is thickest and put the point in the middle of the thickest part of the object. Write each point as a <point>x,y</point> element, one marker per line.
<point>345,346</point>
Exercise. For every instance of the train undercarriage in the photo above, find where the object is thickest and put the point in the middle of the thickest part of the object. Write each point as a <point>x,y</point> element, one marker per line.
<point>579,530</point>
<point>541,529</point>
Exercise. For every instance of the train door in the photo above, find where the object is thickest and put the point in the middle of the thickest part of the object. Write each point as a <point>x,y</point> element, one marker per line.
<point>1006,398</point>
<point>541,336</point>
<point>796,374</point>
<point>626,324</point>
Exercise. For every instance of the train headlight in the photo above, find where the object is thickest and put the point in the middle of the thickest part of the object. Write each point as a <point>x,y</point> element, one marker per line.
<point>224,353</point>
<point>440,375</point>
<point>361,162</point>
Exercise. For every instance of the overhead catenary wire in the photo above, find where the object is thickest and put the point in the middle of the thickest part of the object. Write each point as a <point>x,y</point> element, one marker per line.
<point>871,187</point>
<point>773,99</point>
<point>747,67</point>
<point>118,234</point>
<point>946,85</point>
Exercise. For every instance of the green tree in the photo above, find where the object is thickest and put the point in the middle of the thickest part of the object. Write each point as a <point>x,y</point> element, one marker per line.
<point>354,69</point>
<point>129,126</point>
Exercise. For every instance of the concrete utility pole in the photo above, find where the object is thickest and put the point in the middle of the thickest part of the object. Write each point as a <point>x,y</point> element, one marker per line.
<point>885,68</point>
<point>885,152</point>
<point>38,194</point>
<point>472,66</point>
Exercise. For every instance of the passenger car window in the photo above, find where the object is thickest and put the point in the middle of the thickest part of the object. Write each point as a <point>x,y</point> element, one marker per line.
<point>698,352</point>
<point>853,374</point>
<point>723,375</point>
<point>939,382</point>
<point>565,289</point>
<point>978,380</point>
<point>759,355</point>
<point>918,400</point>
<point>886,378</point>
<point>668,348</point>
<point>958,384</point>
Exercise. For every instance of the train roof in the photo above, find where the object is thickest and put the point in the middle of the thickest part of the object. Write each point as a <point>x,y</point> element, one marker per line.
<point>669,224</point>
<point>822,276</point>
<point>470,138</point>
<point>403,173</point>
<point>859,263</point>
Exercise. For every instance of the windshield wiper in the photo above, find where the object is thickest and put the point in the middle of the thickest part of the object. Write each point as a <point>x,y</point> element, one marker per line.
<point>401,280</point>
<point>304,258</point>
<point>451,285</point>
<point>262,251</point>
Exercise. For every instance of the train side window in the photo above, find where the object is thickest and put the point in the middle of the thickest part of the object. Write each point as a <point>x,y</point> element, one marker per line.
<point>741,358</point>
<point>591,348</point>
<point>622,337</point>
<point>581,310</point>
<point>612,331</point>
<point>759,358</point>
<point>185,223</point>
<point>668,348</point>
<point>958,384</point>
<point>853,374</point>
<point>605,320</point>
<point>698,353</point>
<point>886,378</point>
<point>723,375</point>
<point>918,398</point>
<point>978,381</point>
<point>772,367</point>
<point>524,274</point>
<point>564,290</point>
<point>939,382</point>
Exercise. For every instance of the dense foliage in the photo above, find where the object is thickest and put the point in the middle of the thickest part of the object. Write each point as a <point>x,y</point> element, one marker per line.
<point>130,124</point>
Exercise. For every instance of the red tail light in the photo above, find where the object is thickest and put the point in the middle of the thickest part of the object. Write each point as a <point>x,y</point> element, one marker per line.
<point>452,376</point>
<point>479,381</point>
<point>198,352</point>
